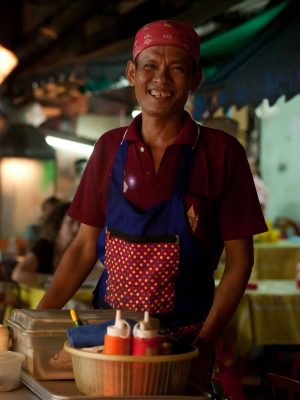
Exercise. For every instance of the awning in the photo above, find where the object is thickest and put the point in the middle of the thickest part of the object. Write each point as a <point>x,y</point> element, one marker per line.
<point>267,67</point>
<point>225,45</point>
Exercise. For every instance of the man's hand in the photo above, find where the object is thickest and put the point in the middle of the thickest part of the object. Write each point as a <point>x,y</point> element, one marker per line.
<point>202,366</point>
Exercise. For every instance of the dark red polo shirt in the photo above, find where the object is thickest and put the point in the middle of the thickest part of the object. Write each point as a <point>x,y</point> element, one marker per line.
<point>221,199</point>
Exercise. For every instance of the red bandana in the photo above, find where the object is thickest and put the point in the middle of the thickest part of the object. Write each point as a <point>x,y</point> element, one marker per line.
<point>167,33</point>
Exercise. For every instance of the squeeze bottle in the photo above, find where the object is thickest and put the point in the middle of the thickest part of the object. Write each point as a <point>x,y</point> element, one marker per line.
<point>146,340</point>
<point>117,340</point>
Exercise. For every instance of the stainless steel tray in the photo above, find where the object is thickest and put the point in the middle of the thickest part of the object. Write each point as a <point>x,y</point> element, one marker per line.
<point>67,390</point>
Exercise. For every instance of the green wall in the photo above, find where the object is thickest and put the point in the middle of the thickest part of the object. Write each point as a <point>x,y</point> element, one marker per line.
<point>280,157</point>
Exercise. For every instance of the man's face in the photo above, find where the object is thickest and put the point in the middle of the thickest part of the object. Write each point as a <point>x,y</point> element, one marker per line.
<point>163,76</point>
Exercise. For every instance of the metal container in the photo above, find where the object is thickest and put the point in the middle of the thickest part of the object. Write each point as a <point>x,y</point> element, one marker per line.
<point>40,336</point>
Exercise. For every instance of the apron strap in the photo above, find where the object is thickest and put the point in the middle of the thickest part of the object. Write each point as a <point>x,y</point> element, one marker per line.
<point>184,171</point>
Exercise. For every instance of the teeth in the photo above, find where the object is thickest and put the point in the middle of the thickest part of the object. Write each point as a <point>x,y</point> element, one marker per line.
<point>160,94</point>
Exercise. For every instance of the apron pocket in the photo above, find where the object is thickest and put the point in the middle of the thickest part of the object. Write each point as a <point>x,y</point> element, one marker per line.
<point>141,271</point>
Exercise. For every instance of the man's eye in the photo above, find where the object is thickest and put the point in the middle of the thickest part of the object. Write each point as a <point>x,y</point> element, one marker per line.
<point>148,66</point>
<point>178,68</point>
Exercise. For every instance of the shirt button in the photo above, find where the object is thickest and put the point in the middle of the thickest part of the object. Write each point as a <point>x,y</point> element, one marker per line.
<point>142,149</point>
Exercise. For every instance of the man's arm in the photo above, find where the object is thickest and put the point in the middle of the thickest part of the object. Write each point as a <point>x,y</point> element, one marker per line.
<point>77,262</point>
<point>238,267</point>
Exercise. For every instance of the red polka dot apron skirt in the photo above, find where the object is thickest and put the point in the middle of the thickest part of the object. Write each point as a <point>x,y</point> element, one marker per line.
<point>150,256</point>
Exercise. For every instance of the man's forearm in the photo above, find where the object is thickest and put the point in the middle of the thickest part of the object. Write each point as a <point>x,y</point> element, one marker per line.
<point>70,274</point>
<point>227,298</point>
<point>239,261</point>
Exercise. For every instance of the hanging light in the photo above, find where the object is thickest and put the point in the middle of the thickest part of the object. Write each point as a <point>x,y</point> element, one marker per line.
<point>8,61</point>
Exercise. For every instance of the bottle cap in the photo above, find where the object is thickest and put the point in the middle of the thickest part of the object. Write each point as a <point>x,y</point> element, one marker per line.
<point>121,327</point>
<point>144,329</point>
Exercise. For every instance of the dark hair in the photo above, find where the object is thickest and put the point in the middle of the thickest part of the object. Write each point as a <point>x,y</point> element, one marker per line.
<point>53,221</point>
<point>79,165</point>
<point>52,200</point>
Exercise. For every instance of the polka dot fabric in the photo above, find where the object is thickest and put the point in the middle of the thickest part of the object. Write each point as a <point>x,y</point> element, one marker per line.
<point>141,276</point>
<point>181,332</point>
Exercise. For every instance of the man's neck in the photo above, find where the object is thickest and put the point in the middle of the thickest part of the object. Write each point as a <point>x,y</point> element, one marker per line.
<point>160,132</point>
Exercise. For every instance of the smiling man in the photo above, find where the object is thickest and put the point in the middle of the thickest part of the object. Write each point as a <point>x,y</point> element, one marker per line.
<point>158,202</point>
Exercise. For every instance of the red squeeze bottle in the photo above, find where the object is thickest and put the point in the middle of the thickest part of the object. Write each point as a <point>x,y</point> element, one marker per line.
<point>117,340</point>
<point>146,340</point>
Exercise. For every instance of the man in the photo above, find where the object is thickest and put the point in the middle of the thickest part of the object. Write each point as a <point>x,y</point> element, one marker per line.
<point>165,195</point>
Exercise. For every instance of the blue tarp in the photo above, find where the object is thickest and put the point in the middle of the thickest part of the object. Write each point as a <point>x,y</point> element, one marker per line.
<point>268,67</point>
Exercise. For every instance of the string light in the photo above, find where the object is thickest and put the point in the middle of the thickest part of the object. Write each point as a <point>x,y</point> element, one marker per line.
<point>69,145</point>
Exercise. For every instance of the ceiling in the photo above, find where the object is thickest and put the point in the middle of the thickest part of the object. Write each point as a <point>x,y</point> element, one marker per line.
<point>71,49</point>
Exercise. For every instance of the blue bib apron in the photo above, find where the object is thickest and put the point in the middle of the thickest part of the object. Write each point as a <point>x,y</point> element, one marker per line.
<point>193,284</point>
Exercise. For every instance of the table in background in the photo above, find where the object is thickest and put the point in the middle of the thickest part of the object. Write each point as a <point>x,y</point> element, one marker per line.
<point>268,315</point>
<point>31,295</point>
<point>275,260</point>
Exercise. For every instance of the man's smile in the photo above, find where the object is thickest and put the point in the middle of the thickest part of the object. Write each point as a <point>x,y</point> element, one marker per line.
<point>160,95</point>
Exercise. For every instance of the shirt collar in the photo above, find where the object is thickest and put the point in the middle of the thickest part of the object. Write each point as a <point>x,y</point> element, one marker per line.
<point>187,134</point>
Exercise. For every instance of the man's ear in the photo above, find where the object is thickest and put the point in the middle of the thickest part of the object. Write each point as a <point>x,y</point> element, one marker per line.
<point>196,79</point>
<point>130,72</point>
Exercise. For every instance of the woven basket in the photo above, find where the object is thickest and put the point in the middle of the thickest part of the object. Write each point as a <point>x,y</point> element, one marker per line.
<point>98,374</point>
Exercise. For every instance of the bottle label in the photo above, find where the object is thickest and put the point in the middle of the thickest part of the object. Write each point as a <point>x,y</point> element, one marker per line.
<point>146,347</point>
<point>116,345</point>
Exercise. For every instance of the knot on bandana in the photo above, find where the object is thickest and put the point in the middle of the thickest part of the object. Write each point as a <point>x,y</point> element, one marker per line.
<point>167,33</point>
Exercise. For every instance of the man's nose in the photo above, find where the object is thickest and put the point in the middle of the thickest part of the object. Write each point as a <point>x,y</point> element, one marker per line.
<point>162,74</point>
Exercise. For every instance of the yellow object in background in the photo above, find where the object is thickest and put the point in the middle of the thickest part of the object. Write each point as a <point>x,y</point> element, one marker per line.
<point>31,295</point>
<point>274,235</point>
<point>271,236</point>
<point>75,318</point>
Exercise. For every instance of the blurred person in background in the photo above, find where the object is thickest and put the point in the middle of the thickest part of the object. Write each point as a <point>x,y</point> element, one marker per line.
<point>57,230</point>
<point>32,231</point>
<point>260,186</point>
<point>79,166</point>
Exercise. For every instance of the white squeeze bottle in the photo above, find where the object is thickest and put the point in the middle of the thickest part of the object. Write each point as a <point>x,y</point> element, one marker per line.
<point>117,340</point>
